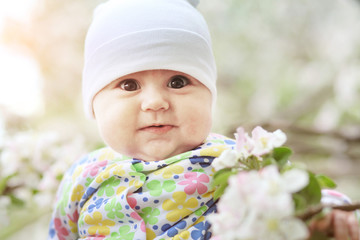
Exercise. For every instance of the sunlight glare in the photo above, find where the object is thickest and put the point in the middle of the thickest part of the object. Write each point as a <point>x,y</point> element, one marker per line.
<point>16,9</point>
<point>20,77</point>
<point>20,83</point>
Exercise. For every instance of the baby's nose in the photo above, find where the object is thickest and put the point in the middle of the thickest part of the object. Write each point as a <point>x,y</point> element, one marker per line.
<point>154,101</point>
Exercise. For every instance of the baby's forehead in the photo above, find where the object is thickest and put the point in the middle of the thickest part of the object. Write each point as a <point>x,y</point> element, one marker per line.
<point>156,73</point>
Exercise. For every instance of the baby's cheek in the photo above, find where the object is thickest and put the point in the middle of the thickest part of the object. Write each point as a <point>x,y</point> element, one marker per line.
<point>112,135</point>
<point>200,126</point>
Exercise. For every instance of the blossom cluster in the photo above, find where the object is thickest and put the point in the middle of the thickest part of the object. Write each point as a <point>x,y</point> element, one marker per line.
<point>259,205</point>
<point>259,144</point>
<point>258,187</point>
<point>31,167</point>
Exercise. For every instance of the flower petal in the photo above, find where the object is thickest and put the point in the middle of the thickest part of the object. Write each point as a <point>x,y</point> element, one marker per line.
<point>227,159</point>
<point>294,229</point>
<point>279,138</point>
<point>295,179</point>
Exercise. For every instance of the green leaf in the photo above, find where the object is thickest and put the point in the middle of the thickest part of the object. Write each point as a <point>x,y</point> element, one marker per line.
<point>219,191</point>
<point>325,182</point>
<point>268,161</point>
<point>3,185</point>
<point>222,176</point>
<point>59,177</point>
<point>281,155</point>
<point>3,182</point>
<point>254,163</point>
<point>221,172</point>
<point>35,191</point>
<point>312,192</point>
<point>221,181</point>
<point>300,202</point>
<point>17,201</point>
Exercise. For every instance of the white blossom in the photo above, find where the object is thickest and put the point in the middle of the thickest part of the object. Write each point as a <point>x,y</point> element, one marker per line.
<point>258,205</point>
<point>244,143</point>
<point>228,159</point>
<point>265,142</point>
<point>261,142</point>
<point>31,164</point>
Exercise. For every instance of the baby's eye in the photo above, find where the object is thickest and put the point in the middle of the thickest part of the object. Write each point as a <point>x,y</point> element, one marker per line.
<point>129,85</point>
<point>178,81</point>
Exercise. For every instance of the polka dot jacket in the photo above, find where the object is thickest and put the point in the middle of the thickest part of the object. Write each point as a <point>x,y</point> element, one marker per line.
<point>106,195</point>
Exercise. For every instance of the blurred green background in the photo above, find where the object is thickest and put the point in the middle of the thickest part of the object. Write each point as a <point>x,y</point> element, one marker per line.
<point>293,65</point>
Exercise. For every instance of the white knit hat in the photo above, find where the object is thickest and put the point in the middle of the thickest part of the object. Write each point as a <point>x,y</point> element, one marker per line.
<point>128,36</point>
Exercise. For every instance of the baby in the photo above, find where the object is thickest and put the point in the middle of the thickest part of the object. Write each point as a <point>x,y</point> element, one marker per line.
<point>149,82</point>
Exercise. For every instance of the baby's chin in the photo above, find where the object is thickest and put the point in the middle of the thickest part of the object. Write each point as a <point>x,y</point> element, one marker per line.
<point>158,154</point>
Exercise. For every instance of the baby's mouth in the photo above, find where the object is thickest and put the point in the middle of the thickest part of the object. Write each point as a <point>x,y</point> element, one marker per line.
<point>157,129</point>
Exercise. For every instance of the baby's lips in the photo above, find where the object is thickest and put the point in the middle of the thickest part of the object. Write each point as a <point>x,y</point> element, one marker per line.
<point>157,129</point>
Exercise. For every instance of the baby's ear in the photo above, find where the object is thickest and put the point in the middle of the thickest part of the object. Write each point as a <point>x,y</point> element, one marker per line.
<point>194,2</point>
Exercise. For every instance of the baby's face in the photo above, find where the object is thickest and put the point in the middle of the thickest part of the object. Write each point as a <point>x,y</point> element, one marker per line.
<point>153,115</point>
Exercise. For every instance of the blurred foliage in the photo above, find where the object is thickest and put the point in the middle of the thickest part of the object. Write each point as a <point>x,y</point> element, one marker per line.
<point>32,164</point>
<point>295,66</point>
<point>283,64</point>
<point>288,60</point>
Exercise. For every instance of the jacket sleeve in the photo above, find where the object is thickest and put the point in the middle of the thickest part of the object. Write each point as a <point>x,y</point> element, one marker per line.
<point>64,220</point>
<point>332,197</point>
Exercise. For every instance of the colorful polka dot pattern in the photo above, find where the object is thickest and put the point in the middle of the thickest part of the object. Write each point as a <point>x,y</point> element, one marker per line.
<point>106,195</point>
